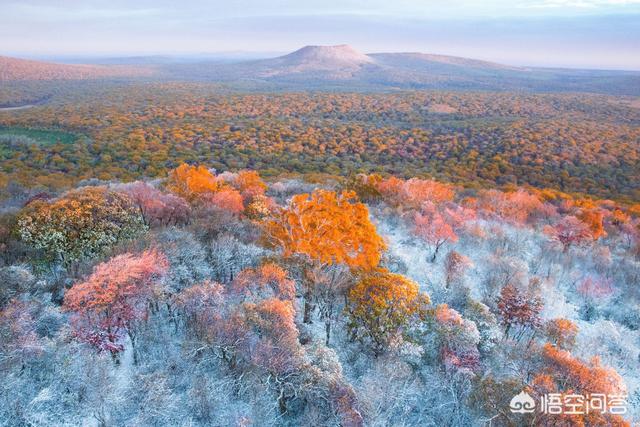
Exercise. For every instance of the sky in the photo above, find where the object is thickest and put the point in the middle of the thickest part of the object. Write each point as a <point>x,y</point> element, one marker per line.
<point>602,34</point>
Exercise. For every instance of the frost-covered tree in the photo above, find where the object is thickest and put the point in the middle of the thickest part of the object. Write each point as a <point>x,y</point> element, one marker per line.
<point>80,225</point>
<point>432,227</point>
<point>15,280</point>
<point>187,258</point>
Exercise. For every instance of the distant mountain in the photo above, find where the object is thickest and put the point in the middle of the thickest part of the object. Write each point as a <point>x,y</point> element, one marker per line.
<point>429,61</point>
<point>311,63</point>
<point>335,62</point>
<point>340,67</point>
<point>12,69</point>
<point>344,62</point>
<point>344,68</point>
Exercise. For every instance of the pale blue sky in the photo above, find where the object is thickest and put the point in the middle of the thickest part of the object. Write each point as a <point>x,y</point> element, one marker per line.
<point>570,33</point>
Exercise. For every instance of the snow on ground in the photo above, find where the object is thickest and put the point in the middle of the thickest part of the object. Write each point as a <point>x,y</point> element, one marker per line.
<point>616,345</point>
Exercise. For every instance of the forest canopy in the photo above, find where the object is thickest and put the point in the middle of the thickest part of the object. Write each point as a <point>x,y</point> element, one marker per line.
<point>576,143</point>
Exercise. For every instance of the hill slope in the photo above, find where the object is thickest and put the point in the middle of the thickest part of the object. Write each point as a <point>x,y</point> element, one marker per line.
<point>14,69</point>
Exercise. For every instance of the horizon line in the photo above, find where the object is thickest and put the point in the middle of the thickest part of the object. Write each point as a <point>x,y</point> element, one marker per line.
<point>268,54</point>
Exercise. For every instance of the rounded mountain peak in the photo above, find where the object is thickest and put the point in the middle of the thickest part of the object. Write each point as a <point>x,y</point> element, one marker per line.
<point>339,53</point>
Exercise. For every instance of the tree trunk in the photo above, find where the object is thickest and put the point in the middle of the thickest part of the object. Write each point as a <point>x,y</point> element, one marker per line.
<point>133,348</point>
<point>327,329</point>
<point>282,402</point>
<point>308,307</point>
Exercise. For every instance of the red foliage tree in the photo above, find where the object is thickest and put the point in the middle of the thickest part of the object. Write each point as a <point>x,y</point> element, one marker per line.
<point>456,265</point>
<point>228,200</point>
<point>19,340</point>
<point>115,297</point>
<point>266,281</point>
<point>157,208</point>
<point>457,216</point>
<point>430,225</point>
<point>595,287</point>
<point>202,307</point>
<point>570,231</point>
<point>515,207</point>
<point>271,344</point>
<point>573,373</point>
<point>459,340</point>
<point>518,309</point>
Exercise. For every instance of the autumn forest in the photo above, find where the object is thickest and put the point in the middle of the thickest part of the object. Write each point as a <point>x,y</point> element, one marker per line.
<point>573,143</point>
<point>193,253</point>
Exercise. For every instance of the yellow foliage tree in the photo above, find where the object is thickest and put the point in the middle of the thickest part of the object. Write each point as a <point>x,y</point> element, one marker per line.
<point>381,305</point>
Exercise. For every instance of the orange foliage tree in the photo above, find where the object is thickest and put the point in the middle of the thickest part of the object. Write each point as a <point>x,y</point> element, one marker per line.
<point>192,183</point>
<point>250,185</point>
<point>594,219</point>
<point>325,229</point>
<point>564,374</point>
<point>562,333</point>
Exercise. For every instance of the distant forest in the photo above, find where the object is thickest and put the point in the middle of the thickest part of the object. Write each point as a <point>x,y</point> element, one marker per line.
<point>575,143</point>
